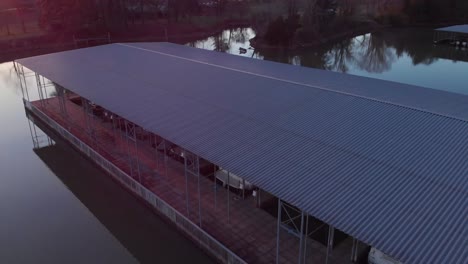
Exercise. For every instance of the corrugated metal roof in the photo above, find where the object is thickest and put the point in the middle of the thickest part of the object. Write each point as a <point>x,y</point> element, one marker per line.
<point>456,28</point>
<point>384,162</point>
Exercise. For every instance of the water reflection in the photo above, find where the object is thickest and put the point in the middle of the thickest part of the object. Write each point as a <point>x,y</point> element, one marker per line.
<point>146,236</point>
<point>373,53</point>
<point>401,55</point>
<point>229,41</point>
<point>57,207</point>
<point>8,78</point>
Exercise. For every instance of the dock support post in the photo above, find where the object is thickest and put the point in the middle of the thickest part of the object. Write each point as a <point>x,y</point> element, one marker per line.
<point>306,236</point>
<point>278,231</point>
<point>331,234</point>
<point>228,199</point>
<point>45,86</point>
<point>120,127</point>
<point>290,225</point>
<point>354,250</point>
<point>87,114</point>
<point>192,166</point>
<point>16,66</point>
<point>155,138</point>
<point>301,239</point>
<point>130,163</point>
<point>137,157</point>
<point>186,185</point>
<point>199,191</point>
<point>130,131</point>
<point>243,188</point>
<point>61,97</point>
<point>215,187</point>
<point>23,78</point>
<point>165,158</point>
<point>33,134</point>
<point>114,132</point>
<point>39,90</point>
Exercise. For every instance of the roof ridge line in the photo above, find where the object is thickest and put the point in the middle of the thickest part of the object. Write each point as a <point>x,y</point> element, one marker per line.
<point>298,83</point>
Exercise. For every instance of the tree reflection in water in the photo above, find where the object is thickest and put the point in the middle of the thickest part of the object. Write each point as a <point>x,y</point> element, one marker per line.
<point>374,53</point>
<point>340,56</point>
<point>8,77</point>
<point>228,41</point>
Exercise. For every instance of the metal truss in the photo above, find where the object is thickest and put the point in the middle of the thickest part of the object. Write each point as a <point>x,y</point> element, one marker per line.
<point>296,222</point>
<point>130,135</point>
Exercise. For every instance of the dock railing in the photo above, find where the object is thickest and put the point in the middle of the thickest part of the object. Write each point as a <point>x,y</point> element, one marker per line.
<point>205,240</point>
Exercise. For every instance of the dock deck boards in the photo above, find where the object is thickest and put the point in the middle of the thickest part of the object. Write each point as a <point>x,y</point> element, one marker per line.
<point>250,232</point>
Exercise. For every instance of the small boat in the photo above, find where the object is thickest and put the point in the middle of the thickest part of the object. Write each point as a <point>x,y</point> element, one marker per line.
<point>242,50</point>
<point>232,180</point>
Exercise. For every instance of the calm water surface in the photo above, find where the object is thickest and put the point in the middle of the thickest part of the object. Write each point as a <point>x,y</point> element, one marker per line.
<point>50,213</point>
<point>400,55</point>
<point>56,207</point>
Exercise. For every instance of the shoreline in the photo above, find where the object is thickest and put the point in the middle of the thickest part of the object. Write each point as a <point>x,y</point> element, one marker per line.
<point>260,43</point>
<point>13,49</point>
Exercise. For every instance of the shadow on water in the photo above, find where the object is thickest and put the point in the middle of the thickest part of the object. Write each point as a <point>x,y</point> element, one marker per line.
<point>146,236</point>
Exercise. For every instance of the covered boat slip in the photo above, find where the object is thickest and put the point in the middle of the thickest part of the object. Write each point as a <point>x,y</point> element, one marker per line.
<point>454,35</point>
<point>134,158</point>
<point>383,162</point>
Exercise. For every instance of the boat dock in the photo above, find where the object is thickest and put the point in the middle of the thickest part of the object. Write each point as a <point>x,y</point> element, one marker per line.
<point>339,164</point>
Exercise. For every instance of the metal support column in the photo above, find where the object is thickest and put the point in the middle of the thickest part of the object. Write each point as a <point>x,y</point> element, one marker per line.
<point>215,187</point>
<point>306,236</point>
<point>229,198</point>
<point>39,141</point>
<point>130,132</point>
<point>301,239</point>
<point>24,81</point>
<point>290,225</point>
<point>165,158</point>
<point>84,104</point>
<point>354,250</point>
<point>61,97</point>
<point>34,136</point>
<point>243,188</point>
<point>331,235</point>
<point>130,163</point>
<point>15,65</point>
<point>199,194</point>
<point>135,141</point>
<point>278,231</point>
<point>155,138</point>
<point>119,121</point>
<point>259,199</point>
<point>114,132</point>
<point>186,186</point>
<point>45,86</point>
<point>39,90</point>
<point>192,166</point>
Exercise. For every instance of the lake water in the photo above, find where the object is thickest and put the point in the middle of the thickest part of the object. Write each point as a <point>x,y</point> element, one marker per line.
<point>55,207</point>
<point>400,55</point>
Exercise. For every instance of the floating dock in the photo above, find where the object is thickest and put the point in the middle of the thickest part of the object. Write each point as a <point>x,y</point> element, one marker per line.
<point>454,35</point>
<point>339,163</point>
